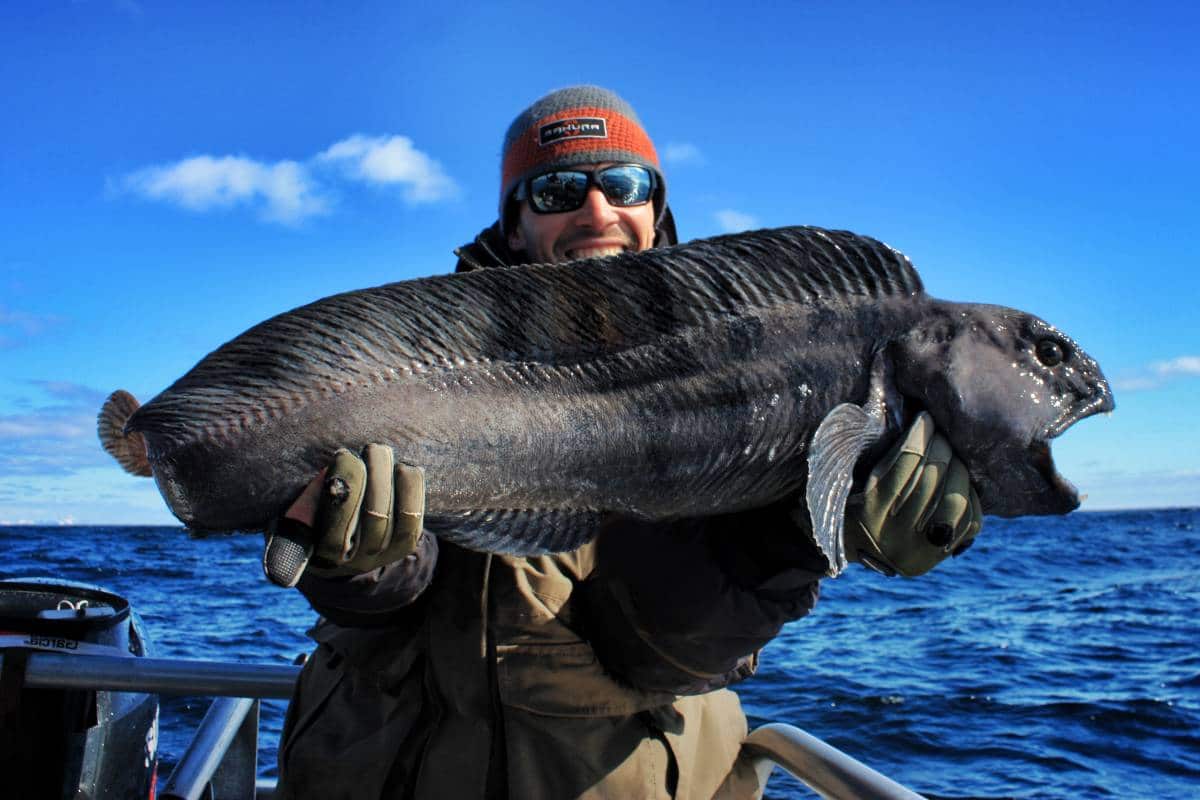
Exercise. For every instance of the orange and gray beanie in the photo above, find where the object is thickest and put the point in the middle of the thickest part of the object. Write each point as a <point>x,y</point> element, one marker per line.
<point>573,126</point>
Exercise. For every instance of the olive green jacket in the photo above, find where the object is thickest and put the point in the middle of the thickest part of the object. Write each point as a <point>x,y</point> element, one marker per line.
<point>597,673</point>
<point>485,688</point>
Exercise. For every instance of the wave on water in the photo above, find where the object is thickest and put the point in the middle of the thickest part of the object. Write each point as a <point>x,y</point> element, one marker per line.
<point>1057,659</point>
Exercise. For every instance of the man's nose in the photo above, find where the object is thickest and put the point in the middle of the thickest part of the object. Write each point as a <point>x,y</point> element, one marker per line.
<point>596,212</point>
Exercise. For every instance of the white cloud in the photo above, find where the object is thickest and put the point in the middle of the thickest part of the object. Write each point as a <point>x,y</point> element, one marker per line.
<point>734,221</point>
<point>48,441</point>
<point>1158,373</point>
<point>682,153</point>
<point>284,189</point>
<point>292,191</point>
<point>1184,365</point>
<point>49,426</point>
<point>391,160</point>
<point>54,438</point>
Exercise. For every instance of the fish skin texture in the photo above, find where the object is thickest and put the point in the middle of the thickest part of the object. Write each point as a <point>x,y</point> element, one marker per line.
<point>683,381</point>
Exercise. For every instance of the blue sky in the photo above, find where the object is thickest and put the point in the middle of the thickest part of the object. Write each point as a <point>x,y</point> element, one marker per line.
<point>174,173</point>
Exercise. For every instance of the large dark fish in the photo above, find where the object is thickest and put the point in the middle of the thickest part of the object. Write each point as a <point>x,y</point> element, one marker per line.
<point>695,380</point>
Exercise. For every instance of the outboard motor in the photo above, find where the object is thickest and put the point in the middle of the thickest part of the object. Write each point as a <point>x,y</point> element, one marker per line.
<point>72,743</point>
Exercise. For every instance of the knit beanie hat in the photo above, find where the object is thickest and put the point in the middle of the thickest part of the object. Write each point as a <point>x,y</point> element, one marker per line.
<point>573,126</point>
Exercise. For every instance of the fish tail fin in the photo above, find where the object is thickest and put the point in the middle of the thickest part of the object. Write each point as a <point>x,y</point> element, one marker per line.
<point>129,449</point>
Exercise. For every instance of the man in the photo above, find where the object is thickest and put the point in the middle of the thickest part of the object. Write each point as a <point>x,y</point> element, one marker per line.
<point>597,673</point>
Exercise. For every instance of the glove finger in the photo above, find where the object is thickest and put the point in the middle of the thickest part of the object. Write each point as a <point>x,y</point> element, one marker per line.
<point>952,517</point>
<point>375,521</point>
<point>976,514</point>
<point>913,511</point>
<point>894,478</point>
<point>341,497</point>
<point>974,527</point>
<point>410,508</point>
<point>919,435</point>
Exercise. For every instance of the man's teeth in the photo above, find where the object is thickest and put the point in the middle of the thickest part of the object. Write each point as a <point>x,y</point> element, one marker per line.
<point>595,252</point>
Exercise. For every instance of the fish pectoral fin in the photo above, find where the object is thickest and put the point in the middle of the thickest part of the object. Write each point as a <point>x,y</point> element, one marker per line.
<point>842,437</point>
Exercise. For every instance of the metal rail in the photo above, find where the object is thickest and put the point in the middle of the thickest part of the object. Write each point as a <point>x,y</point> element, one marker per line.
<point>159,675</point>
<point>207,759</point>
<point>822,767</point>
<point>222,752</point>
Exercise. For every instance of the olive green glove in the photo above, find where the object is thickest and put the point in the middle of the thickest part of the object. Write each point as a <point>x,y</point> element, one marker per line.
<point>356,515</point>
<point>917,507</point>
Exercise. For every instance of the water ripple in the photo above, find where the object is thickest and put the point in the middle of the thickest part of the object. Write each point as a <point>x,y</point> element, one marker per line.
<point>1058,659</point>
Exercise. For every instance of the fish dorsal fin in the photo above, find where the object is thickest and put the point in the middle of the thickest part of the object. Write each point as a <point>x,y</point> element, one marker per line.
<point>550,316</point>
<point>802,264</point>
<point>558,314</point>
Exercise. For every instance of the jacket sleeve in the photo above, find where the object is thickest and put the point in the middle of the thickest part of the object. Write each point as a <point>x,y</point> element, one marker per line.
<point>684,607</point>
<point>377,597</point>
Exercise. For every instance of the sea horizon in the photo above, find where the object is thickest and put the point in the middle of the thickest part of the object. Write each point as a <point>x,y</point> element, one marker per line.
<point>76,524</point>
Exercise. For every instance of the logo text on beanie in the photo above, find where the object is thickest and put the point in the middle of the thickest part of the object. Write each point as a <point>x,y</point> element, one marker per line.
<point>577,128</point>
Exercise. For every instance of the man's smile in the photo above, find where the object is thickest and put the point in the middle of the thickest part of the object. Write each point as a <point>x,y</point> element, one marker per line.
<point>596,246</point>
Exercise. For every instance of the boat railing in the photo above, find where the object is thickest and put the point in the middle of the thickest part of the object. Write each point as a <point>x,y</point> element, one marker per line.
<point>817,764</point>
<point>221,763</point>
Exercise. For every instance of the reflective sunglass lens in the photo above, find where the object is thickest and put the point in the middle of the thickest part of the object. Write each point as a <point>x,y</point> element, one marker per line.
<point>625,186</point>
<point>558,191</point>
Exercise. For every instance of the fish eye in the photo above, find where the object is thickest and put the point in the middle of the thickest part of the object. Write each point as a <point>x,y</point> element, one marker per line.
<point>1050,352</point>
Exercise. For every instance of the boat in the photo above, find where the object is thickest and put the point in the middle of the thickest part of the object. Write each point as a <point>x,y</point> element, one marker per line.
<point>79,712</point>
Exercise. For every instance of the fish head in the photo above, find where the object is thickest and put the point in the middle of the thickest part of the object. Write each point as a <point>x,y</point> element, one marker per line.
<point>1000,385</point>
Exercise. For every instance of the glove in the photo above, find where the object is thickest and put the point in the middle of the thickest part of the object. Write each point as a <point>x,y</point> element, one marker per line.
<point>362,513</point>
<point>917,507</point>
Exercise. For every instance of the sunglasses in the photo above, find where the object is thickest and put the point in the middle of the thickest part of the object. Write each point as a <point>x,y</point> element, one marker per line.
<point>623,185</point>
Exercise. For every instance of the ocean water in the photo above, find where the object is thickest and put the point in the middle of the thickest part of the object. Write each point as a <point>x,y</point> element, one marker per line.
<point>1059,658</point>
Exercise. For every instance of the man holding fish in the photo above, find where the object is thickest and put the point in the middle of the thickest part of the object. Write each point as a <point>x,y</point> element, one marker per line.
<point>443,672</point>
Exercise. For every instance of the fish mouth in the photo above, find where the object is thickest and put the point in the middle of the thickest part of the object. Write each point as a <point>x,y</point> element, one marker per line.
<point>1100,402</point>
<point>1064,496</point>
